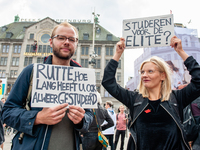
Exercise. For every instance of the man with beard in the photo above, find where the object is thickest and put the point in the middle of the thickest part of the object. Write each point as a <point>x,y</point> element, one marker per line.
<point>47,128</point>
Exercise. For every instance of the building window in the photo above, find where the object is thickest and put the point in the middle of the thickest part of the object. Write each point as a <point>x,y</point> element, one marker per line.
<point>109,37</point>
<point>98,89</point>
<point>118,76</point>
<point>84,63</point>
<point>98,30</point>
<point>49,49</point>
<point>4,28</point>
<point>9,35</point>
<point>40,49</point>
<point>5,48</point>
<point>97,75</point>
<point>13,74</point>
<point>17,49</point>
<point>31,49</point>
<point>85,36</point>
<point>98,63</point>
<point>109,51</point>
<point>119,64</point>
<point>24,29</point>
<point>107,94</point>
<point>107,60</point>
<point>31,36</point>
<point>97,50</point>
<point>15,61</point>
<point>45,38</point>
<point>84,50</point>
<point>28,61</point>
<point>3,61</point>
<point>40,60</point>
<point>44,48</point>
<point>2,73</point>
<point>27,48</point>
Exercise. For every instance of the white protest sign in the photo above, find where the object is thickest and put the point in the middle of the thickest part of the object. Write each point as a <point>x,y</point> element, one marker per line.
<point>148,32</point>
<point>54,85</point>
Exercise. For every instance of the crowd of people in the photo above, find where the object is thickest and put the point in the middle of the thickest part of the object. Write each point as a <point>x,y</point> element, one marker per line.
<point>154,120</point>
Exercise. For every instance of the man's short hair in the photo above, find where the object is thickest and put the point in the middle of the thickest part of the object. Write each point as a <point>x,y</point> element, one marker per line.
<point>109,103</point>
<point>64,24</point>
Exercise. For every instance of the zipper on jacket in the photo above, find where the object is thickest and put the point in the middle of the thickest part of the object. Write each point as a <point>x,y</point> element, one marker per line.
<point>188,120</point>
<point>134,121</point>
<point>178,127</point>
<point>44,137</point>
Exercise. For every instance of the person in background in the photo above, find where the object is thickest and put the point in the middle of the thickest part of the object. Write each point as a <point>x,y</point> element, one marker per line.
<point>109,133</point>
<point>53,128</point>
<point>156,110</point>
<point>121,127</point>
<point>90,139</point>
<point>195,107</point>
<point>2,138</point>
<point>176,75</point>
<point>194,139</point>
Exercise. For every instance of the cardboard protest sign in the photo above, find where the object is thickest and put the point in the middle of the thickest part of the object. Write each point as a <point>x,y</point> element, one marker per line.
<point>148,32</point>
<point>54,85</point>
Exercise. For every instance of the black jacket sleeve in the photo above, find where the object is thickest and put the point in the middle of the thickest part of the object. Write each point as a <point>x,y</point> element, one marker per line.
<point>189,93</point>
<point>109,120</point>
<point>109,83</point>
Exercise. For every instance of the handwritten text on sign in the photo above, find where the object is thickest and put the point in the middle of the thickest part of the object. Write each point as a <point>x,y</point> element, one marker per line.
<point>54,85</point>
<point>148,32</point>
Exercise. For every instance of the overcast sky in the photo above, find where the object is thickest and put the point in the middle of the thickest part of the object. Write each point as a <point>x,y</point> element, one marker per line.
<point>112,13</point>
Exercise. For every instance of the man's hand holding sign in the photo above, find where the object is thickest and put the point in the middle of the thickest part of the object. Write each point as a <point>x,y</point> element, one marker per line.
<point>54,115</point>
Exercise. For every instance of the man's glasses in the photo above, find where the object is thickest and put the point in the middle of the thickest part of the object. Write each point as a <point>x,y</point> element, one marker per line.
<point>142,72</point>
<point>63,38</point>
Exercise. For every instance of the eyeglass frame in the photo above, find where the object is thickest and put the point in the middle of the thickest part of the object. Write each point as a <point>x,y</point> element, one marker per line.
<point>76,39</point>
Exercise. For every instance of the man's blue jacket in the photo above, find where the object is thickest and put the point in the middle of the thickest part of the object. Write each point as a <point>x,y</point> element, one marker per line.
<point>36,137</point>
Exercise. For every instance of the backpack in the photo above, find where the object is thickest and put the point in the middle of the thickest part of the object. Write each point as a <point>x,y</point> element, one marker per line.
<point>189,124</point>
<point>124,115</point>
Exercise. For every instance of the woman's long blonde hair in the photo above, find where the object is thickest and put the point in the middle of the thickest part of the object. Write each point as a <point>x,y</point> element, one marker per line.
<point>163,67</point>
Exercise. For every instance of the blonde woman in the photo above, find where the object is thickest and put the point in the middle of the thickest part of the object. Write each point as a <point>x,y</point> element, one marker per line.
<point>155,109</point>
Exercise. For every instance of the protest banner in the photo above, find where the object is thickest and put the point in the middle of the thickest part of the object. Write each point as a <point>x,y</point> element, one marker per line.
<point>3,82</point>
<point>54,85</point>
<point>148,32</point>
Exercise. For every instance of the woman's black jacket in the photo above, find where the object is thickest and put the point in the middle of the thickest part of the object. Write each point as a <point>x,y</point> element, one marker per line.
<point>179,99</point>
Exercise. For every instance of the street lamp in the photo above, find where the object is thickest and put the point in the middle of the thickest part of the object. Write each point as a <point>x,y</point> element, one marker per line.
<point>95,24</point>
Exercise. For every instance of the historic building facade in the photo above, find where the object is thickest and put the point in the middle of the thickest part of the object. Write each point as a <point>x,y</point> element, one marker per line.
<point>17,49</point>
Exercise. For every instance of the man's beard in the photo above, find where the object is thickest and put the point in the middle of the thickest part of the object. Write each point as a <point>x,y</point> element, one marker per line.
<point>57,53</point>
